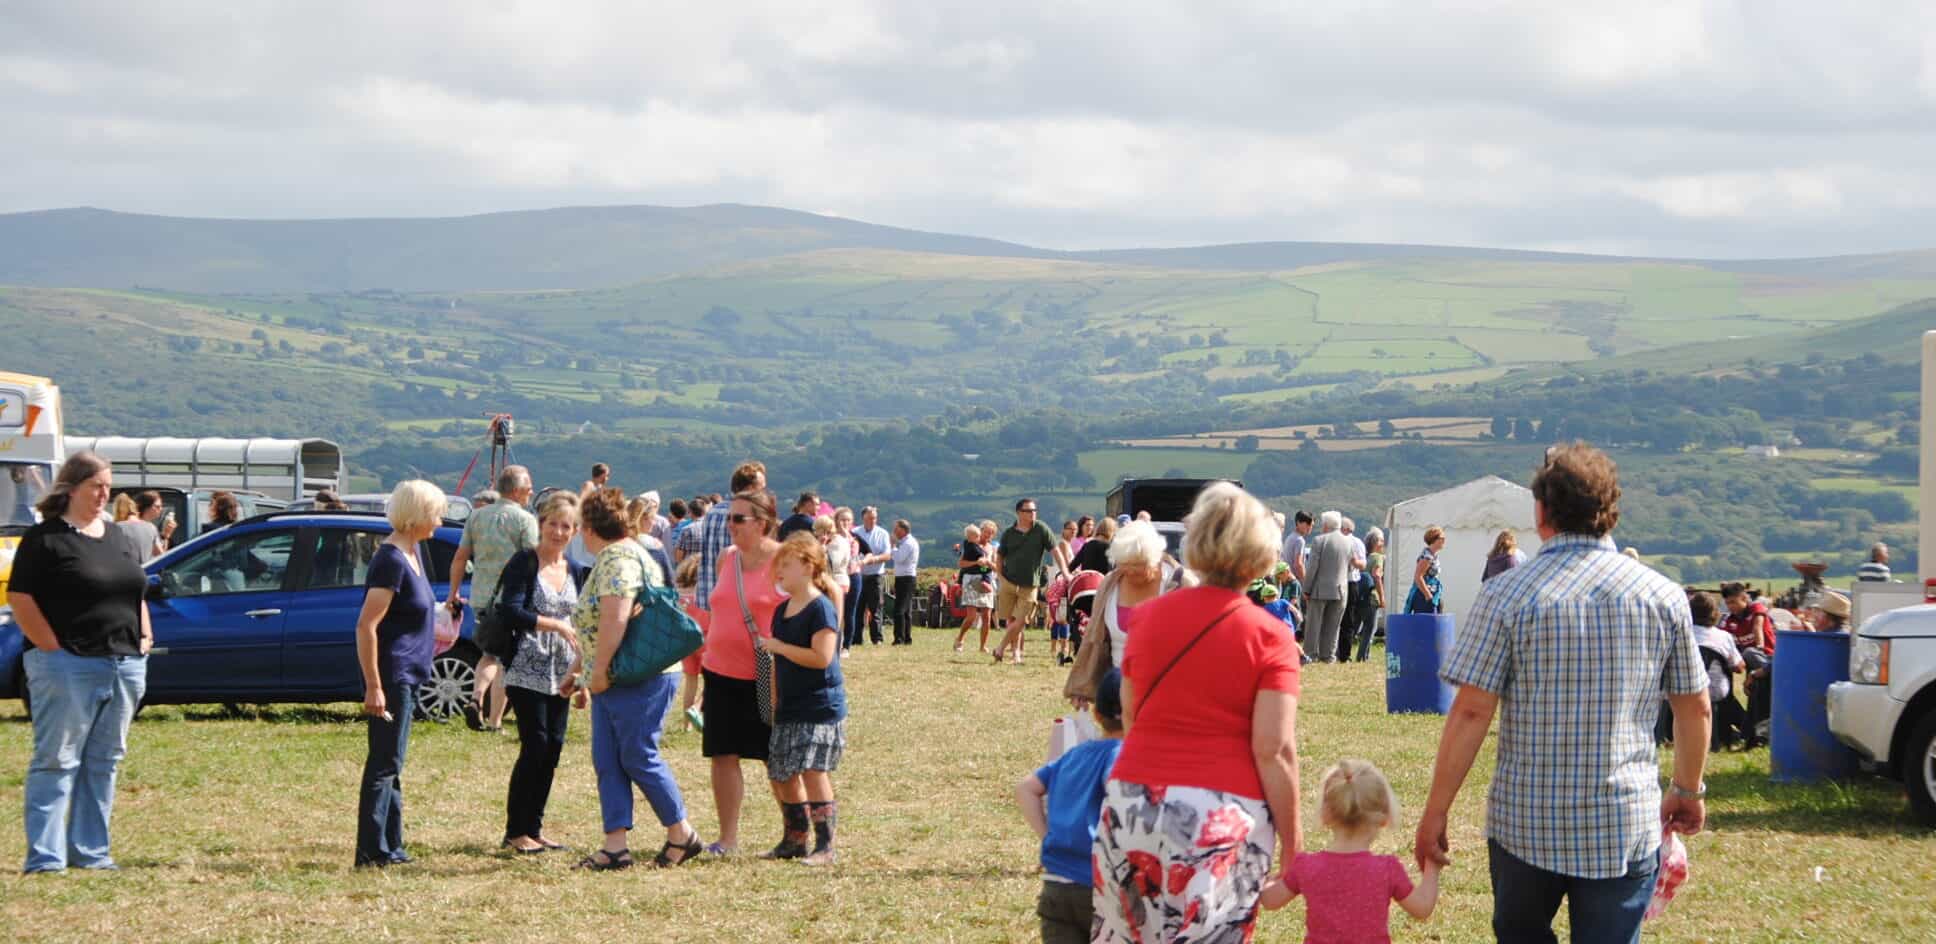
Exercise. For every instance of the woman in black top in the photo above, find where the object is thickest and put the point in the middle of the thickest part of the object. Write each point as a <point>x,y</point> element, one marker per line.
<point>977,591</point>
<point>1095,551</point>
<point>77,592</point>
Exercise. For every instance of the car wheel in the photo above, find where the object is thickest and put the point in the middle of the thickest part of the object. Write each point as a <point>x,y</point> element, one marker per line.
<point>452,676</point>
<point>1919,769</point>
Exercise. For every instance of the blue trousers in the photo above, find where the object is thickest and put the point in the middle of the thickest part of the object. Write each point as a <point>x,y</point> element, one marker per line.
<point>82,708</point>
<point>626,724</point>
<point>1599,911</point>
<point>379,802</point>
<point>853,637</point>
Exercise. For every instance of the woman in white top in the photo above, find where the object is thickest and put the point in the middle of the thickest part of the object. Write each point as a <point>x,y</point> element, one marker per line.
<point>840,549</point>
<point>1136,577</point>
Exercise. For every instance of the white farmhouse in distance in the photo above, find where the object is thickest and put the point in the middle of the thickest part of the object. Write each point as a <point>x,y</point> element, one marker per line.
<point>1764,452</point>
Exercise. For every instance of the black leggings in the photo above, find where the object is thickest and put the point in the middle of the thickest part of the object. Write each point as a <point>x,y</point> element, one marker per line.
<point>541,739</point>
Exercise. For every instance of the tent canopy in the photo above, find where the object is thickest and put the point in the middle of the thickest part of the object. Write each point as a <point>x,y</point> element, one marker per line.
<point>1472,515</point>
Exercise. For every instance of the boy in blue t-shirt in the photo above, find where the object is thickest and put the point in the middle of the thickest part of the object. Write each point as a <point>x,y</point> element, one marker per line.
<point>1062,803</point>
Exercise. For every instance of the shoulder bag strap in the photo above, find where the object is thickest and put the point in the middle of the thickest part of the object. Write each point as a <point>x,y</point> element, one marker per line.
<point>1144,698</point>
<point>745,611</point>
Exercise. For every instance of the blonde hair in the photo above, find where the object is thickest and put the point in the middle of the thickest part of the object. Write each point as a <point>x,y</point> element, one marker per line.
<point>1433,534</point>
<point>123,507</point>
<point>1506,543</point>
<point>803,548</point>
<point>1355,795</point>
<point>823,526</point>
<point>635,517</point>
<point>988,524</point>
<point>971,532</point>
<point>1106,529</point>
<point>1231,538</point>
<point>845,511</point>
<point>416,505</point>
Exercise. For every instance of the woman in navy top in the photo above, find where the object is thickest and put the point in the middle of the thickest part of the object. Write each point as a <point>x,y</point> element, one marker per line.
<point>395,638</point>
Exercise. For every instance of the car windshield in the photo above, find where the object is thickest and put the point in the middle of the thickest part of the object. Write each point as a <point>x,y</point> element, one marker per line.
<point>20,488</point>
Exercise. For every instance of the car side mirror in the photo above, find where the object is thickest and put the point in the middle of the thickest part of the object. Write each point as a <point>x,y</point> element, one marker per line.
<point>156,590</point>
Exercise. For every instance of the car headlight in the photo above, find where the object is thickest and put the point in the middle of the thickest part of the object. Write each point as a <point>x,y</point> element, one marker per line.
<point>1869,662</point>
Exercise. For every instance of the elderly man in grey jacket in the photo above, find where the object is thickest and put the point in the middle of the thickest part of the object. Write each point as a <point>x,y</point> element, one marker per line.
<point>1330,571</point>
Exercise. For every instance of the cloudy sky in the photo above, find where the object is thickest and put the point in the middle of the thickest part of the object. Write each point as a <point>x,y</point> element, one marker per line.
<point>1686,128</point>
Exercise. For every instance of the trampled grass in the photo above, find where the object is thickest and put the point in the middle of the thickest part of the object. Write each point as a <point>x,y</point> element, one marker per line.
<point>240,829</point>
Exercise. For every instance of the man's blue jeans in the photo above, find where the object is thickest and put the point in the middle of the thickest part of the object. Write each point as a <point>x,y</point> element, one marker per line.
<point>82,708</point>
<point>626,724</point>
<point>1599,911</point>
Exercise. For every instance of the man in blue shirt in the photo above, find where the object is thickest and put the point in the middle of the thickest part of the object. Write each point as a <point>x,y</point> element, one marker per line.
<point>1062,803</point>
<point>1574,650</point>
<point>876,553</point>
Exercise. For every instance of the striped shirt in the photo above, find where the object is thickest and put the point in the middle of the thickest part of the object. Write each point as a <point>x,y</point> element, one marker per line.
<point>714,537</point>
<point>1579,644</point>
<point>1873,572</point>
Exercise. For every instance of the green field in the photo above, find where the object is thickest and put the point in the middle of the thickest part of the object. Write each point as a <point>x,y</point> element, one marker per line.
<point>1110,466</point>
<point>239,828</point>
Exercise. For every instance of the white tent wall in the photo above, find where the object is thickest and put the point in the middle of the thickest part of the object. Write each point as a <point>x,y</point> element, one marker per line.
<point>1472,515</point>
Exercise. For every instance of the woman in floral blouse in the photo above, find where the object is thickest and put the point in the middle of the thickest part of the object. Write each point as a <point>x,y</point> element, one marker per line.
<point>626,719</point>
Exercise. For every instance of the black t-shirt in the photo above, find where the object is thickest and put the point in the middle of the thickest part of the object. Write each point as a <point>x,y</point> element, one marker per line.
<point>973,552</point>
<point>90,589</point>
<point>1093,556</point>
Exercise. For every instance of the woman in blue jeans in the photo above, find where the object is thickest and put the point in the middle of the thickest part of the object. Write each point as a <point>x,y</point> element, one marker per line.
<point>627,720</point>
<point>396,635</point>
<point>77,593</point>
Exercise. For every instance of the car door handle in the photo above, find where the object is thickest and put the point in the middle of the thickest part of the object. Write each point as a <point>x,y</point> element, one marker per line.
<point>158,651</point>
<point>258,614</point>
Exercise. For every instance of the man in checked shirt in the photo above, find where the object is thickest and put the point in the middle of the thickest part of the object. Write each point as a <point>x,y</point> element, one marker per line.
<point>1573,650</point>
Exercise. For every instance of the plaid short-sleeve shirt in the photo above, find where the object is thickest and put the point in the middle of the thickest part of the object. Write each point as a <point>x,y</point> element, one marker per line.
<point>1580,644</point>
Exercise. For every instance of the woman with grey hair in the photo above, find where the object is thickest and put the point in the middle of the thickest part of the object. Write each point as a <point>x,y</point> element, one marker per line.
<point>1375,569</point>
<point>1135,577</point>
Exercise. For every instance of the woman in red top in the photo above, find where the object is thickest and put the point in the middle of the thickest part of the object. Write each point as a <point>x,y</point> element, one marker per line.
<point>1208,770</point>
<point>734,730</point>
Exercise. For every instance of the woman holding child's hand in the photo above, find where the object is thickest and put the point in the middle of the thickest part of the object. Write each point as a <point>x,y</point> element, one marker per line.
<point>1205,788</point>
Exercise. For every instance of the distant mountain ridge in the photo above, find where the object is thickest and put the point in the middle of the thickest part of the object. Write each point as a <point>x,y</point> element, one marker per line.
<point>604,247</point>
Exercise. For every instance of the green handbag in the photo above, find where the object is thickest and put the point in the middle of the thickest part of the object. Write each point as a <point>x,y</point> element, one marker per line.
<point>656,639</point>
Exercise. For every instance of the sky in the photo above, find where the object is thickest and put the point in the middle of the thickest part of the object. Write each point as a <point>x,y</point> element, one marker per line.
<point>1686,128</point>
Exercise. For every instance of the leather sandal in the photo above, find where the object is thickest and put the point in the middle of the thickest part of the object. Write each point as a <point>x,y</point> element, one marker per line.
<point>612,861</point>
<point>688,851</point>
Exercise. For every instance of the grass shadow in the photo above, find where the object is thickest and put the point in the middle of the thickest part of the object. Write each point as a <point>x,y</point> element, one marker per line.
<point>1862,807</point>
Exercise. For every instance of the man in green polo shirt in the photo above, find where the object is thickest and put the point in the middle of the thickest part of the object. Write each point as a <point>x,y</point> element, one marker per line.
<point>1019,558</point>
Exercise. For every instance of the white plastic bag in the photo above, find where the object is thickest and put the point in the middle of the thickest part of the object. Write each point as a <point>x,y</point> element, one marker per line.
<point>1070,730</point>
<point>448,629</point>
<point>1669,876</point>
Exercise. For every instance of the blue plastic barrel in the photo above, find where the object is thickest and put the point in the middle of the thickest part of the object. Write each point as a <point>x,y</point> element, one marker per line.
<point>1800,745</point>
<point>1415,646</point>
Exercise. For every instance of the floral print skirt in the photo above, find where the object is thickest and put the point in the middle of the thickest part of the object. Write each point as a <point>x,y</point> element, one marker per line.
<point>1179,864</point>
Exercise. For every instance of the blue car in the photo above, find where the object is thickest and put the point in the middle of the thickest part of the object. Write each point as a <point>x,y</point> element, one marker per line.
<point>264,612</point>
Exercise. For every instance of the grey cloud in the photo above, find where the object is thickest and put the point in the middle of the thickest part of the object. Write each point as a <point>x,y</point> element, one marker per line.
<point>1717,129</point>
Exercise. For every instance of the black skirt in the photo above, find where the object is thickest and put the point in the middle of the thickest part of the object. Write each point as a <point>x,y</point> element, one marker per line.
<point>733,725</point>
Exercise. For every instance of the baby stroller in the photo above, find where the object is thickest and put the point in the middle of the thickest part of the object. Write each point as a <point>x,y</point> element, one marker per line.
<point>1072,601</point>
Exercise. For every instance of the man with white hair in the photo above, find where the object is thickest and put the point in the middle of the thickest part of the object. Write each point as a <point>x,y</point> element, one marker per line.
<point>1876,568</point>
<point>1330,570</point>
<point>1356,595</point>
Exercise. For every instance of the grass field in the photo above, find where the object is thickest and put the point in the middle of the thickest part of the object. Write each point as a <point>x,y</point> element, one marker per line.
<point>240,829</point>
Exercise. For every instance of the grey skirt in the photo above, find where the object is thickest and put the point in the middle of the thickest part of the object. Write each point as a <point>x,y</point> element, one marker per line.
<point>801,746</point>
<point>977,592</point>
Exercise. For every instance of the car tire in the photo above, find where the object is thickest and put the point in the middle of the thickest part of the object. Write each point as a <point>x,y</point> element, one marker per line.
<point>452,677</point>
<point>1919,769</point>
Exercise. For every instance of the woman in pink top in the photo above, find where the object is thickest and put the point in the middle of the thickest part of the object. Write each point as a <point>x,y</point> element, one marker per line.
<point>734,730</point>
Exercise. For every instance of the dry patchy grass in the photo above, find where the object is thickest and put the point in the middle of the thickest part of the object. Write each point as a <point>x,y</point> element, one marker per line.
<point>240,828</point>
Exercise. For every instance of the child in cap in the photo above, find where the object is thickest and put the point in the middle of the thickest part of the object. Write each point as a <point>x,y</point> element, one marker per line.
<point>1062,803</point>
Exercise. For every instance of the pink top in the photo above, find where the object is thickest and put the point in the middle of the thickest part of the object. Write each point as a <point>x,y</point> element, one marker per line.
<point>728,650</point>
<point>1348,895</point>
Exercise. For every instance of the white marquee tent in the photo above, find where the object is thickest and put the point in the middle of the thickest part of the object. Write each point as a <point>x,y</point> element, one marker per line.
<point>1472,515</point>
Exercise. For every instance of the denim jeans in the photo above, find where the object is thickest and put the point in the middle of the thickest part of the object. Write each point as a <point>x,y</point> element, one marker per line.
<point>82,708</point>
<point>853,635</point>
<point>626,724</point>
<point>1599,911</point>
<point>541,739</point>
<point>1366,630</point>
<point>379,805</point>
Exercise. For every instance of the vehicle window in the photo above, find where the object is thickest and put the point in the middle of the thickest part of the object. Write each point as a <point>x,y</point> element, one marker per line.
<point>436,557</point>
<point>245,563</point>
<point>342,557</point>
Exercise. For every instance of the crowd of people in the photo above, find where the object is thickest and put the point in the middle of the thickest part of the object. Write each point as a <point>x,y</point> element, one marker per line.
<point>1177,823</point>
